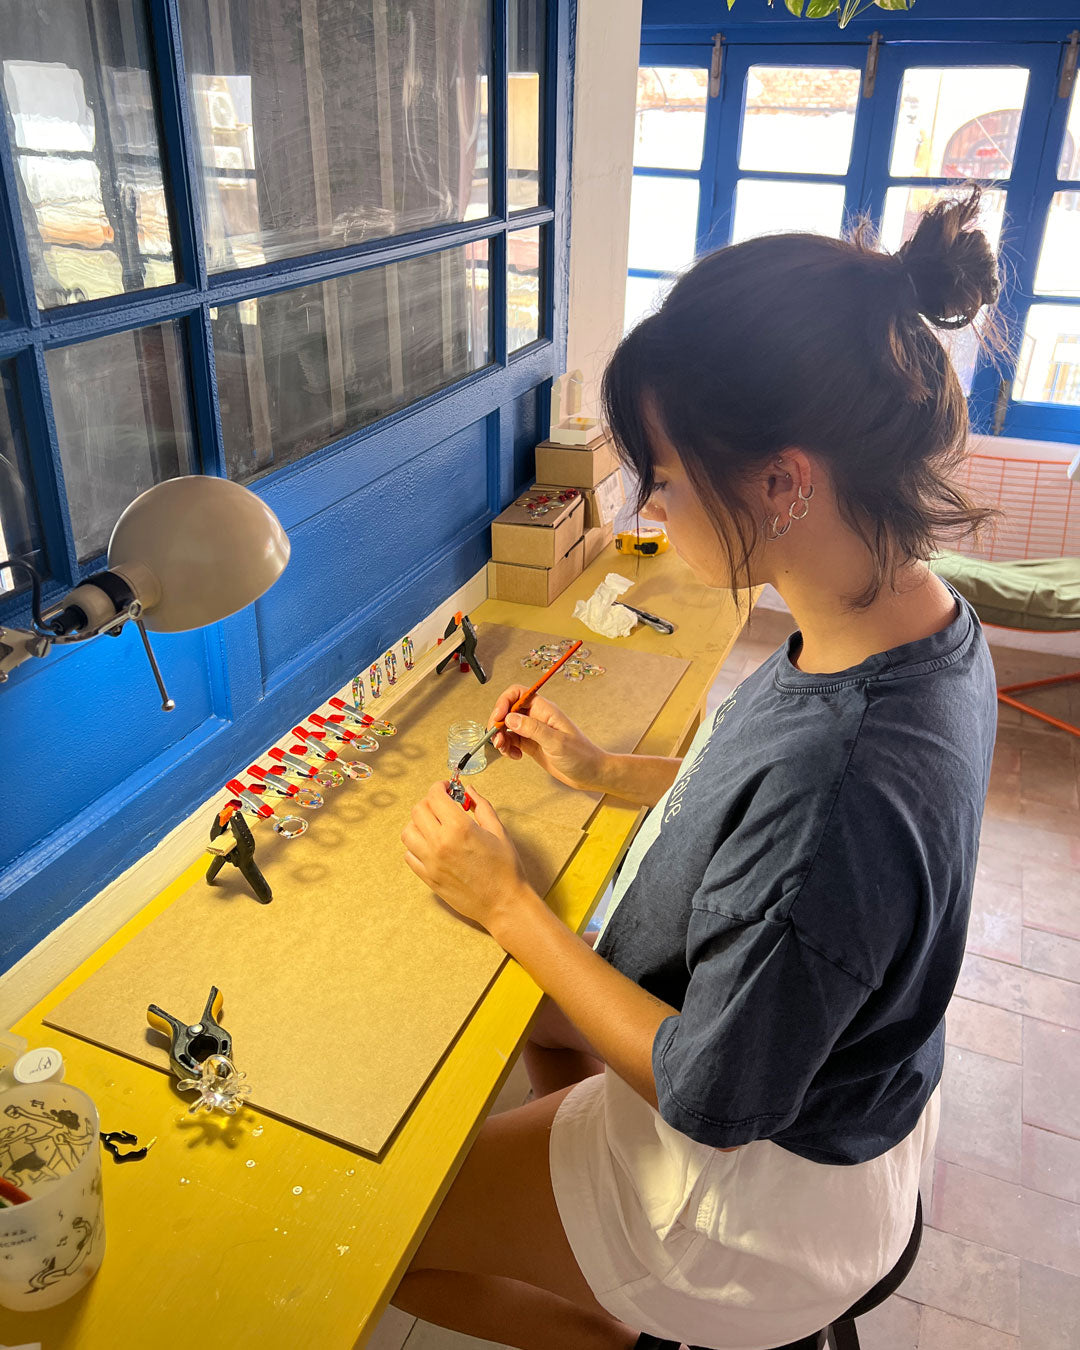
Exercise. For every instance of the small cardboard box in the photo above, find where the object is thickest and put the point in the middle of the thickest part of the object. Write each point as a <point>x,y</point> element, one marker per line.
<point>575,431</point>
<point>603,501</point>
<point>596,540</point>
<point>535,585</point>
<point>517,536</point>
<point>583,466</point>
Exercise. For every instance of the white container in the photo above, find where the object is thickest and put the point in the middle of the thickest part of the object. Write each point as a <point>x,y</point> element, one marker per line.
<point>52,1245</point>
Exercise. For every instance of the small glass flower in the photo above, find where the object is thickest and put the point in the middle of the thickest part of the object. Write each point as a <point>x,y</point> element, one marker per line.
<point>219,1085</point>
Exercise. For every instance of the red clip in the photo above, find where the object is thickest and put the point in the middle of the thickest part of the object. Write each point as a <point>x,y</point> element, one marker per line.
<point>318,736</point>
<point>277,772</point>
<point>336,721</point>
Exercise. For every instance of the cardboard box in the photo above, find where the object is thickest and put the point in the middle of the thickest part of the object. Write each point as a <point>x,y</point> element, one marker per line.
<point>535,585</point>
<point>583,466</point>
<point>596,540</point>
<point>603,501</point>
<point>519,536</point>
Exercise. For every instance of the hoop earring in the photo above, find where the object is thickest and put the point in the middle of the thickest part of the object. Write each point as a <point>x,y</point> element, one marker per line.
<point>804,497</point>
<point>772,530</point>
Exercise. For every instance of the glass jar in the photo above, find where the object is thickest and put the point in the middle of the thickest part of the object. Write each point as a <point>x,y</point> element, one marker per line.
<point>460,739</point>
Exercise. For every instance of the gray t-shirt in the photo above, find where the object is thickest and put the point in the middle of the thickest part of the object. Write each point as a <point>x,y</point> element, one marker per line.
<point>802,894</point>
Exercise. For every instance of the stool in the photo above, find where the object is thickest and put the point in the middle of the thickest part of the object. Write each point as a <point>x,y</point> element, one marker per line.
<point>841,1334</point>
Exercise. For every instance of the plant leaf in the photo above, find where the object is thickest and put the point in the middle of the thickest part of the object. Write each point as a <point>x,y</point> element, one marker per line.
<point>894,4</point>
<point>731,4</point>
<point>821,9</point>
<point>796,7</point>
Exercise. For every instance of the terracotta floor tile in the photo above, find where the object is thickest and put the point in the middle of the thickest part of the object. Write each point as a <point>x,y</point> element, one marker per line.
<point>980,1113</point>
<point>1050,953</point>
<point>994,928</point>
<point>997,864</point>
<point>1051,897</point>
<point>1010,1218</point>
<point>892,1325</point>
<point>984,1028</point>
<point>1026,840</point>
<point>1048,778</point>
<point>1052,1077</point>
<point>1019,990</point>
<point>967,1280</point>
<point>1061,820</point>
<point>1050,1163</point>
<point>939,1331</point>
<point>1049,1309</point>
<point>1006,757</point>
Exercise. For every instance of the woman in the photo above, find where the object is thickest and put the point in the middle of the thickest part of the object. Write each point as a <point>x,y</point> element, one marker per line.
<point>767,998</point>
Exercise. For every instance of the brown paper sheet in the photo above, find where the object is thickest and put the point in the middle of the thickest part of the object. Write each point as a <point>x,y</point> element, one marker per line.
<point>344,994</point>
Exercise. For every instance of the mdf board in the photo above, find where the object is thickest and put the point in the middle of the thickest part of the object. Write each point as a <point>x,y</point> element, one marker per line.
<point>344,994</point>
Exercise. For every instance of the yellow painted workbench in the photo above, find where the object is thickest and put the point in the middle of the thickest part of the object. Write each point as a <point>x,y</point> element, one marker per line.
<point>251,1232</point>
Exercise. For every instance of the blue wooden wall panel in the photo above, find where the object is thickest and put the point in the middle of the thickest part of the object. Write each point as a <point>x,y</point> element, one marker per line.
<point>344,555</point>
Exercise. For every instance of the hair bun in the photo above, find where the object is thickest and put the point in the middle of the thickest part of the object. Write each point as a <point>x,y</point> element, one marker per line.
<point>949,264</point>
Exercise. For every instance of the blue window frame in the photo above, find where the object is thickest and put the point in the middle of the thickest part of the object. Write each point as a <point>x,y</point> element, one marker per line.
<point>389,509</point>
<point>1022,191</point>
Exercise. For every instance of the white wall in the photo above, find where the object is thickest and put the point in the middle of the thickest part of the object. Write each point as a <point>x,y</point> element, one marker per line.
<point>608,43</point>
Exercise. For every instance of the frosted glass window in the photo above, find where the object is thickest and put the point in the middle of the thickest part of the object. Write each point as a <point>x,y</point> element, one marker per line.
<point>1049,367</point>
<point>526,41</point>
<point>322,123</point>
<point>777,205</point>
<point>663,222</point>
<point>123,421</point>
<point>301,368</point>
<point>524,287</point>
<point>644,296</point>
<point>799,119</point>
<point>958,121</point>
<point>669,128</point>
<point>1069,163</point>
<point>1058,270</point>
<point>83,127</point>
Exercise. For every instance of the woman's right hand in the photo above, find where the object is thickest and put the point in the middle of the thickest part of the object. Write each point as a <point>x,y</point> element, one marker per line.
<point>546,734</point>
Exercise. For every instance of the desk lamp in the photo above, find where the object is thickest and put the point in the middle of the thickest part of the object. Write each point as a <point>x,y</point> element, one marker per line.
<point>187,552</point>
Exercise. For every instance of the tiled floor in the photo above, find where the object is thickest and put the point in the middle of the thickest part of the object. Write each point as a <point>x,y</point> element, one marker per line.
<point>999,1267</point>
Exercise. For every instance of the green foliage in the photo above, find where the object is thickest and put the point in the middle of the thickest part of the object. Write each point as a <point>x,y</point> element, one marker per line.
<point>845,10</point>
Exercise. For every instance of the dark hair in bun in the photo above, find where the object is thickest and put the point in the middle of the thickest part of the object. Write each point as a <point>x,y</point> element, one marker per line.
<point>826,344</point>
<point>949,264</point>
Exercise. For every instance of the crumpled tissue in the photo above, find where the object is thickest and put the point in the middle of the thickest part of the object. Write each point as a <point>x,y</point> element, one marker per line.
<point>602,613</point>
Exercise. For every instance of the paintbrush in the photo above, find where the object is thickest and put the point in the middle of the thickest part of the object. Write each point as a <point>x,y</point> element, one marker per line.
<point>521,702</point>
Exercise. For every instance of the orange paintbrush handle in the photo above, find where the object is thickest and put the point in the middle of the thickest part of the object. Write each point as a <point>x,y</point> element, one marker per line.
<point>527,696</point>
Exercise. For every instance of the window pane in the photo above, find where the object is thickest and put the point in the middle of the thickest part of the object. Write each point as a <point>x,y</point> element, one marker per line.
<point>527,20</point>
<point>958,122</point>
<point>323,123</point>
<point>524,291</point>
<point>19,533</point>
<point>84,135</point>
<point>904,205</point>
<point>1049,367</point>
<point>799,119</point>
<point>123,422</point>
<point>772,205</point>
<point>663,222</point>
<point>644,296</point>
<point>1069,164</point>
<point>1058,272</point>
<point>669,131</point>
<point>301,368</point>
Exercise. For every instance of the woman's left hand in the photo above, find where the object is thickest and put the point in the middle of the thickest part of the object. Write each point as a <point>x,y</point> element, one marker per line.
<point>466,857</point>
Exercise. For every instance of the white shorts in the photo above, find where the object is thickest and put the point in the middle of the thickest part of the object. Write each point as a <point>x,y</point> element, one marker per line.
<point>742,1250</point>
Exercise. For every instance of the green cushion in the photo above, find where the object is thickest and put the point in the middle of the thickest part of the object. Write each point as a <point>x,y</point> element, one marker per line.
<point>1042,594</point>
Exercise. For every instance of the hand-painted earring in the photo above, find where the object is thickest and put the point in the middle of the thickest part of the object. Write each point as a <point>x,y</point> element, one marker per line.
<point>407,652</point>
<point>805,499</point>
<point>358,692</point>
<point>375,680</point>
<point>390,662</point>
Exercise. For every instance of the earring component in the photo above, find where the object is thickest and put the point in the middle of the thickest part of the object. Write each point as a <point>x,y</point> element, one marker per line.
<point>804,498</point>
<point>332,726</point>
<point>390,662</point>
<point>274,781</point>
<point>407,650</point>
<point>364,720</point>
<point>249,801</point>
<point>358,692</point>
<point>313,745</point>
<point>375,680</point>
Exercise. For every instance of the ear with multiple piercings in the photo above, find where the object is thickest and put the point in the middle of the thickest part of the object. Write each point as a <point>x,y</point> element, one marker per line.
<point>773,529</point>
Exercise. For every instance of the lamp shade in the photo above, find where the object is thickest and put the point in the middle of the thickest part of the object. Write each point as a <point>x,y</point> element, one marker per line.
<point>211,546</point>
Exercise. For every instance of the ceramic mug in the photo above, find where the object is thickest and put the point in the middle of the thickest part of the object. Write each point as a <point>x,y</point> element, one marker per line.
<point>51,1245</point>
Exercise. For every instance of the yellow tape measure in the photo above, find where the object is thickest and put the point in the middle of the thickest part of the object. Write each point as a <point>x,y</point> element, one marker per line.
<point>645,543</point>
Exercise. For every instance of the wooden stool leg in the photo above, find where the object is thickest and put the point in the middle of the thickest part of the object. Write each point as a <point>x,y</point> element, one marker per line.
<point>842,1335</point>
